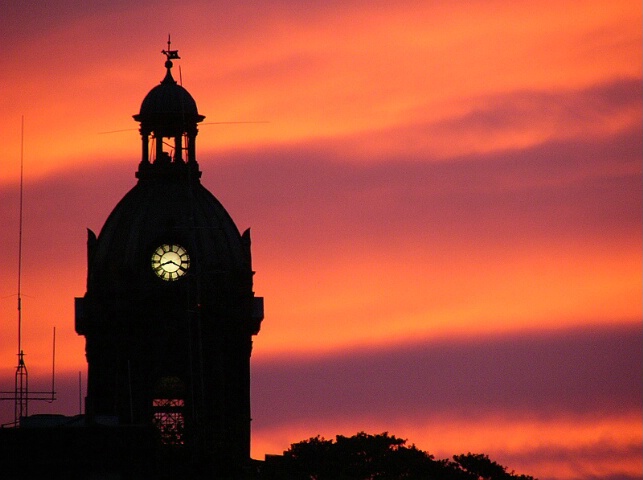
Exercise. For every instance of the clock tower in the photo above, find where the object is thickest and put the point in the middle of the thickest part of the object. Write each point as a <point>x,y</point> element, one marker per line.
<point>169,313</point>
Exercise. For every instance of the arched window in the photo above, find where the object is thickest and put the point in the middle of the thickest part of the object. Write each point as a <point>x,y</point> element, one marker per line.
<point>168,408</point>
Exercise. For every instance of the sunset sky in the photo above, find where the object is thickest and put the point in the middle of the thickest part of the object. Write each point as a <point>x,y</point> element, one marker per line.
<point>445,201</point>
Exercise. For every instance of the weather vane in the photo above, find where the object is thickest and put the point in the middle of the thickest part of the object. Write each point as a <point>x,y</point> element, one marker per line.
<point>170,54</point>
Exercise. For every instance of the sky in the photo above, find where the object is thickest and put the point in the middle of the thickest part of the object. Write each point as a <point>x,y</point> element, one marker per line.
<point>445,201</point>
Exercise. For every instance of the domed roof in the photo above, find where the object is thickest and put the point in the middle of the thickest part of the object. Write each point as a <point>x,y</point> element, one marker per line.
<point>168,206</point>
<point>169,211</point>
<point>168,107</point>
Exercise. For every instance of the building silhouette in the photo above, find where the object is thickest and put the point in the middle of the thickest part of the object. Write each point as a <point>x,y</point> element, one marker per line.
<point>168,317</point>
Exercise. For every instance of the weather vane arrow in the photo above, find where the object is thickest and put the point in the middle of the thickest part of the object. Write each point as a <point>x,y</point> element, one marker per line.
<point>170,54</point>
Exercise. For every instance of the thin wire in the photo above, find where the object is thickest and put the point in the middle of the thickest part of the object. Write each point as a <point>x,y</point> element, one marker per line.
<point>80,393</point>
<point>53,367</point>
<point>201,124</point>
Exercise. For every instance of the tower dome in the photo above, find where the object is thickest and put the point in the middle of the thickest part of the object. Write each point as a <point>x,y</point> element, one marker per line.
<point>168,108</point>
<point>173,212</point>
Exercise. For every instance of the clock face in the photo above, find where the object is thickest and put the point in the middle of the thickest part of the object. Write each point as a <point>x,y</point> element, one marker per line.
<point>170,262</point>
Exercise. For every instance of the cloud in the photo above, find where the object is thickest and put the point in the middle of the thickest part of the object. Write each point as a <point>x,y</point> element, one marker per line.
<point>301,193</point>
<point>576,372</point>
<point>568,188</point>
<point>327,71</point>
<point>551,231</point>
<point>559,404</point>
<point>605,459</point>
<point>512,120</point>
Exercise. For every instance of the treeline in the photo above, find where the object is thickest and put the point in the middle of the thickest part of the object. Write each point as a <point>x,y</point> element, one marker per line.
<point>377,457</point>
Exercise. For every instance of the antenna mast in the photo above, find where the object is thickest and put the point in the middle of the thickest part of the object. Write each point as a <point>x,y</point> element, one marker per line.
<point>21,388</point>
<point>21,391</point>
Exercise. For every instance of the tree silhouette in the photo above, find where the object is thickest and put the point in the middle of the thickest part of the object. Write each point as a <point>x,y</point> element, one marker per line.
<point>480,467</point>
<point>378,457</point>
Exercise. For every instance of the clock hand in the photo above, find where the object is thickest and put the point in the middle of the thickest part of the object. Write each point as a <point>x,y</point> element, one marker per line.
<point>169,261</point>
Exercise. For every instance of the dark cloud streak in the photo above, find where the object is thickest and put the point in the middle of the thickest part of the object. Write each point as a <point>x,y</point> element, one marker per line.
<point>571,110</point>
<point>577,372</point>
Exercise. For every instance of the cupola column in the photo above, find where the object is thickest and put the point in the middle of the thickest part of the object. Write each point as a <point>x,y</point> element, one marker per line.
<point>192,147</point>
<point>159,146</point>
<point>178,149</point>
<point>145,153</point>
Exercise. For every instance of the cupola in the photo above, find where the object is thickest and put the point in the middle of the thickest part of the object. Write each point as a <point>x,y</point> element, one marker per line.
<point>169,112</point>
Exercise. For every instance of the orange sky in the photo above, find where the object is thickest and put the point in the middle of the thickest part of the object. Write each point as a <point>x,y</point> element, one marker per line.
<point>429,172</point>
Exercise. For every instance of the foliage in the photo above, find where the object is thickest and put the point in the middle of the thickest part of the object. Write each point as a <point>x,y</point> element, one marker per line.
<point>480,467</point>
<point>380,457</point>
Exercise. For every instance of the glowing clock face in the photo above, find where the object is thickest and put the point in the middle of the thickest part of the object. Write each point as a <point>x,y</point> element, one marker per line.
<point>170,262</point>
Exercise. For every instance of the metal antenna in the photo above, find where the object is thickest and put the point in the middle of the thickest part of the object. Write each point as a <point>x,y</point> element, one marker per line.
<point>20,393</point>
<point>22,148</point>
<point>80,394</point>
